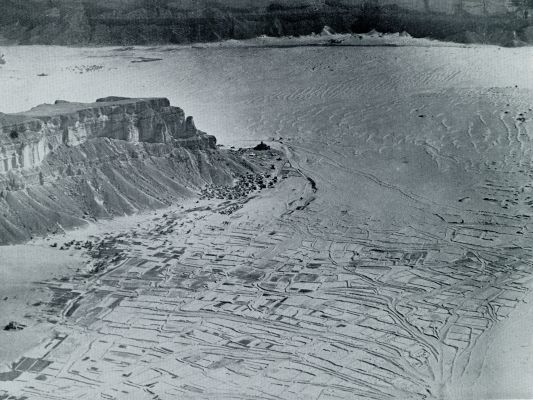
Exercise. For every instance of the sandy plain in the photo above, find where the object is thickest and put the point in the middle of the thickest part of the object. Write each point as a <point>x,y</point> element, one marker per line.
<point>392,259</point>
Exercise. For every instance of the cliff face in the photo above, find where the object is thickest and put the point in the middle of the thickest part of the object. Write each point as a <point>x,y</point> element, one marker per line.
<point>66,163</point>
<point>25,139</point>
<point>178,21</point>
<point>473,7</point>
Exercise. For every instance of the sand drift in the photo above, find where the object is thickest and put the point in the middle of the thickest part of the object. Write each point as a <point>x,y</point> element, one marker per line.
<point>374,254</point>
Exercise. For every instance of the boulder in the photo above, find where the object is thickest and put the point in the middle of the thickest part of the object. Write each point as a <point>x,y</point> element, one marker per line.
<point>262,147</point>
<point>14,326</point>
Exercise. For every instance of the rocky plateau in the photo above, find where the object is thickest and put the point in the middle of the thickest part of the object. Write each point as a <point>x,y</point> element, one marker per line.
<point>64,164</point>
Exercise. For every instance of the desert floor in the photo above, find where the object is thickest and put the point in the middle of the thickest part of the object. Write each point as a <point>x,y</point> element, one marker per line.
<point>391,260</point>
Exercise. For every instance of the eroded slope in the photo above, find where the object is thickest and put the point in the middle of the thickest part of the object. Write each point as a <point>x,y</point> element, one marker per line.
<point>66,163</point>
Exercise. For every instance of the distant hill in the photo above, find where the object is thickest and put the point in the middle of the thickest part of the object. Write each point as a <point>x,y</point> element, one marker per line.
<point>127,22</point>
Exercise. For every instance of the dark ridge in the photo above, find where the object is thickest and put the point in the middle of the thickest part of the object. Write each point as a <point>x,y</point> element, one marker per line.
<point>313,184</point>
<point>138,22</point>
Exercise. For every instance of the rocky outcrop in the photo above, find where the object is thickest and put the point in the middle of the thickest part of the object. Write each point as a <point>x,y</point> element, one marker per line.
<point>65,163</point>
<point>25,139</point>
